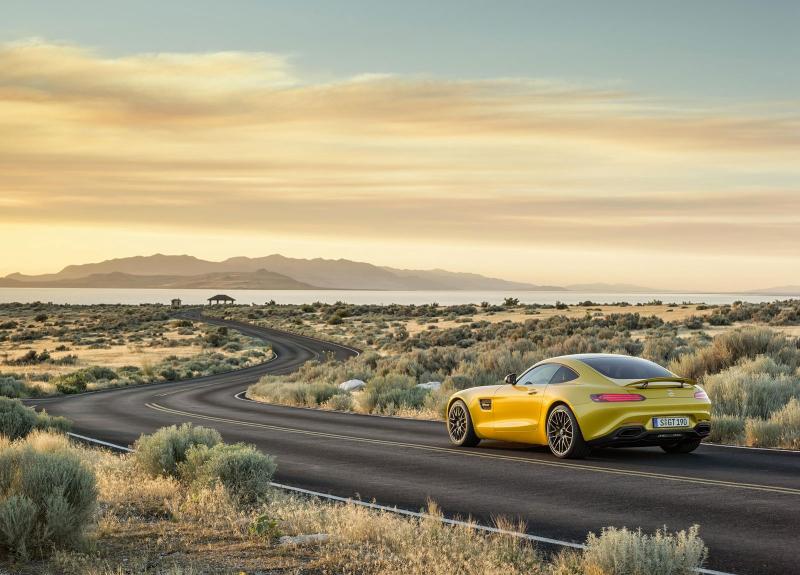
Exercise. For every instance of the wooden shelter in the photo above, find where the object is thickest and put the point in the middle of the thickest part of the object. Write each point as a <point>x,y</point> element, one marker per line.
<point>220,299</point>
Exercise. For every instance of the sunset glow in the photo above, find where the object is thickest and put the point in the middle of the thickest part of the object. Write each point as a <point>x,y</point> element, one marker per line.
<point>240,152</point>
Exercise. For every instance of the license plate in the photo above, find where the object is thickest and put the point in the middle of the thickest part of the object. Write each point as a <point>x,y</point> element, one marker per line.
<point>670,422</point>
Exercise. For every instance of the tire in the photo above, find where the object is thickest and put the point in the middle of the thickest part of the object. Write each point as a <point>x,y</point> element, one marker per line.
<point>684,446</point>
<point>564,437</point>
<point>459,425</point>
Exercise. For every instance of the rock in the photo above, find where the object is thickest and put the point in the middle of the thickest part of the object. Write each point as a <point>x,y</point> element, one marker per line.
<point>352,385</point>
<point>304,539</point>
<point>432,385</point>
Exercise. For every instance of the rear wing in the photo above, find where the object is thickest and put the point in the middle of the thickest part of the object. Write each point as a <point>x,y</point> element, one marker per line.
<point>662,382</point>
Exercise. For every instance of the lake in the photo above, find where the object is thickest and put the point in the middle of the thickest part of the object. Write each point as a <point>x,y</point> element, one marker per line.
<point>87,296</point>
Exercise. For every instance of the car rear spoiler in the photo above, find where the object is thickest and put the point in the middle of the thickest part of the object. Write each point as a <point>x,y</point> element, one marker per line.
<point>661,381</point>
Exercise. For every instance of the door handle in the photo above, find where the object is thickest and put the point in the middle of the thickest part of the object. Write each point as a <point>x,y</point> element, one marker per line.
<point>533,392</point>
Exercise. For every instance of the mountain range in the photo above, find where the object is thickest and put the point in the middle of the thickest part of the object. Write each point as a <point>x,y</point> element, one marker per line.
<point>277,272</point>
<point>269,272</point>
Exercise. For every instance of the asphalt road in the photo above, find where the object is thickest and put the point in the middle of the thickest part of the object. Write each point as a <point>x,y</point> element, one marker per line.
<point>746,501</point>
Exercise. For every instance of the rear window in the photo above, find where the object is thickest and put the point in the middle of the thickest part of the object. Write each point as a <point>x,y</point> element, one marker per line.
<point>626,367</point>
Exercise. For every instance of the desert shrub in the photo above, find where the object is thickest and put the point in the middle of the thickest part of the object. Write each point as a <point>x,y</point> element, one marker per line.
<point>217,337</point>
<point>341,402</point>
<point>730,347</point>
<point>69,359</point>
<point>755,388</point>
<point>727,429</point>
<point>47,496</point>
<point>625,552</point>
<point>244,471</point>
<point>16,420</point>
<point>661,348</point>
<point>13,387</point>
<point>52,423</point>
<point>762,433</point>
<point>693,322</point>
<point>319,393</point>
<point>299,394</point>
<point>718,319</point>
<point>369,543</point>
<point>169,374</point>
<point>389,392</point>
<point>162,452</point>
<point>72,383</point>
<point>77,381</point>
<point>788,421</point>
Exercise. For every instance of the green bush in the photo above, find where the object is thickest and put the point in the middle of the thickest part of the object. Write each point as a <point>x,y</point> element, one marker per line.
<point>52,423</point>
<point>47,498</point>
<point>12,387</point>
<point>384,394</point>
<point>16,420</point>
<point>730,347</point>
<point>162,452</point>
<point>319,393</point>
<point>341,402</point>
<point>755,388</point>
<point>244,471</point>
<point>77,381</point>
<point>625,552</point>
<point>727,429</point>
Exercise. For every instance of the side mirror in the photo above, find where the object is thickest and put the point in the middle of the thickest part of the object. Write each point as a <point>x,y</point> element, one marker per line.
<point>511,379</point>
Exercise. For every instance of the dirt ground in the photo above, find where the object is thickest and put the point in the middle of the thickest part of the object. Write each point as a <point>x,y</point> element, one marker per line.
<point>113,356</point>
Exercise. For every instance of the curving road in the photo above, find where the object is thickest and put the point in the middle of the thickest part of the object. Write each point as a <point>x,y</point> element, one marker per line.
<point>747,501</point>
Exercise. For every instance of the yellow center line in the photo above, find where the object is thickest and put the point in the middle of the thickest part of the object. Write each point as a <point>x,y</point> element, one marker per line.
<point>464,453</point>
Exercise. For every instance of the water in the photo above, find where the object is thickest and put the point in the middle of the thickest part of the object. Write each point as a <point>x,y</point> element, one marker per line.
<point>86,296</point>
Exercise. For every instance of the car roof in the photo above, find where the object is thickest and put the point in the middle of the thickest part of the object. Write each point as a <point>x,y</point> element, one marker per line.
<point>576,360</point>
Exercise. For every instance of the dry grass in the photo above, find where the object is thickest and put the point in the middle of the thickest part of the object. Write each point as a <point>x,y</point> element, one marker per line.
<point>155,525</point>
<point>113,356</point>
<point>135,344</point>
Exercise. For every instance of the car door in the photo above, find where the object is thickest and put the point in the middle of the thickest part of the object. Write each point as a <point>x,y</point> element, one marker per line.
<point>517,408</point>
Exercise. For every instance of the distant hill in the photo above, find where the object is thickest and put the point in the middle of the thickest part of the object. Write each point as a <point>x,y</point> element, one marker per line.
<point>269,272</point>
<point>780,290</point>
<point>610,288</point>
<point>260,279</point>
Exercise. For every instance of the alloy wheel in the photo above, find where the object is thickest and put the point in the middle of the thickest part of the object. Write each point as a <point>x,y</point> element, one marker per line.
<point>457,422</point>
<point>560,431</point>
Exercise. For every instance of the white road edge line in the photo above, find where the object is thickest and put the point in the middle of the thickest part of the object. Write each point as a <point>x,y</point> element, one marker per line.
<point>405,512</point>
<point>99,442</point>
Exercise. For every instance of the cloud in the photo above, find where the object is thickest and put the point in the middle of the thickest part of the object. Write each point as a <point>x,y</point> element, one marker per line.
<point>236,140</point>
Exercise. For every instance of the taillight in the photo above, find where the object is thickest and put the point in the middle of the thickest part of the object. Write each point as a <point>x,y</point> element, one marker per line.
<point>700,394</point>
<point>616,397</point>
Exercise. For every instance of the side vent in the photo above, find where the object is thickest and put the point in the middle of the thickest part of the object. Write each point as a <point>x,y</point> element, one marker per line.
<point>486,404</point>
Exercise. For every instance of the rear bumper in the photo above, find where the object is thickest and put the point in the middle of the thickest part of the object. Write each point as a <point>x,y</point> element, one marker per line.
<point>638,436</point>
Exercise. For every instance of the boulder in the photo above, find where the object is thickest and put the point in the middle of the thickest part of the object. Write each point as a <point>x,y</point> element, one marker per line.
<point>352,385</point>
<point>432,385</point>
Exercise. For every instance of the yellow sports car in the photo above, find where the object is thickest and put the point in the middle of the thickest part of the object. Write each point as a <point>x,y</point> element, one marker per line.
<point>576,402</point>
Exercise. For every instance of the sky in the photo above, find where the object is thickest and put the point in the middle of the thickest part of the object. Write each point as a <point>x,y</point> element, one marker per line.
<point>653,143</point>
